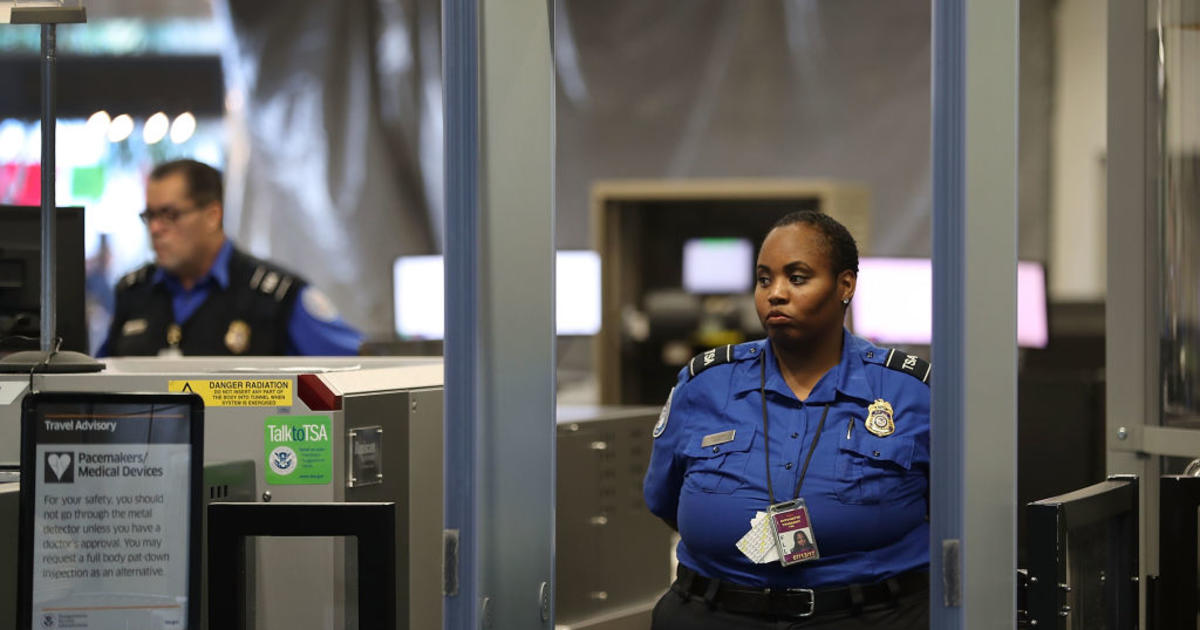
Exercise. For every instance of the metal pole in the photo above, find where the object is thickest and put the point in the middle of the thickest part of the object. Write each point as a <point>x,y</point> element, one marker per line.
<point>1134,267</point>
<point>516,306</point>
<point>462,474</point>
<point>49,116</point>
<point>973,438</point>
<point>946,489</point>
<point>499,348</point>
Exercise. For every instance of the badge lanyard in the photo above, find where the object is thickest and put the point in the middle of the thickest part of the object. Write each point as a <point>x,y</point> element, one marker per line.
<point>762,387</point>
<point>789,523</point>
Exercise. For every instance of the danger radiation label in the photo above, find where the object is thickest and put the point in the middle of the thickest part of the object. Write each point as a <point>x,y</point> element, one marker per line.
<point>253,392</point>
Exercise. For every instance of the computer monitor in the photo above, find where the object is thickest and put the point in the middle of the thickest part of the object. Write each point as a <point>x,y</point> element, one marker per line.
<point>21,277</point>
<point>418,294</point>
<point>893,303</point>
<point>718,265</point>
<point>419,297</point>
<point>577,292</point>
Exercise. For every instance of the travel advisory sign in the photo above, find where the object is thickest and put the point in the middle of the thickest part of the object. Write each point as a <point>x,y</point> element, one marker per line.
<point>298,450</point>
<point>109,510</point>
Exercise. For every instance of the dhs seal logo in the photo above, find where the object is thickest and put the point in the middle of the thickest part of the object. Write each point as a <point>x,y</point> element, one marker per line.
<point>282,460</point>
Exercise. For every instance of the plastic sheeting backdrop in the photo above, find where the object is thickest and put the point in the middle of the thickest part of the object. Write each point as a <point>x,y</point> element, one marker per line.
<point>338,168</point>
<point>336,152</point>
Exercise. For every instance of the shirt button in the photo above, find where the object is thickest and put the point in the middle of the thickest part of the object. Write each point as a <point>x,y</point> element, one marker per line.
<point>876,453</point>
<point>717,449</point>
<point>795,435</point>
<point>788,466</point>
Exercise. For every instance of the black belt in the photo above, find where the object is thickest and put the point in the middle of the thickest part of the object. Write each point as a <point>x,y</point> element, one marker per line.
<point>797,602</point>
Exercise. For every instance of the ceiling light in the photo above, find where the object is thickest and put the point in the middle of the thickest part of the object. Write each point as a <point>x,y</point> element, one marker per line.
<point>98,123</point>
<point>183,128</point>
<point>120,128</point>
<point>155,128</point>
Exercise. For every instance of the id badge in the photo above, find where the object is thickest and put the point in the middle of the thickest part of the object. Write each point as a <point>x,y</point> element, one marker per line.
<point>793,532</point>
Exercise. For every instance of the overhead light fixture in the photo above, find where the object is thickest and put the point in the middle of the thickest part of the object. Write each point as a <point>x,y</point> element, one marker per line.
<point>183,128</point>
<point>155,128</point>
<point>98,122</point>
<point>120,128</point>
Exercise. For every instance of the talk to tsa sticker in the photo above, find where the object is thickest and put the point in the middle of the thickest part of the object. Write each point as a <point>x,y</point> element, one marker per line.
<point>298,450</point>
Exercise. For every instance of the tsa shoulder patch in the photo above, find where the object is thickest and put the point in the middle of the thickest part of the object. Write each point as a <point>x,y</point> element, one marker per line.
<point>664,415</point>
<point>908,363</point>
<point>707,359</point>
<point>318,304</point>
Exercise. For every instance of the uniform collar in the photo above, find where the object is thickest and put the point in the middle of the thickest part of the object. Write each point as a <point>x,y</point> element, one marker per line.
<point>849,376</point>
<point>218,273</point>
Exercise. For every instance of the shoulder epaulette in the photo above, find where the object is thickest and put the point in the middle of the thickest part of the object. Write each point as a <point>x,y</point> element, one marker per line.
<point>272,282</point>
<point>909,364</point>
<point>137,276</point>
<point>709,358</point>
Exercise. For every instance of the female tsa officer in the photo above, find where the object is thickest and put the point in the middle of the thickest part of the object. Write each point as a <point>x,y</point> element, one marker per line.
<point>812,428</point>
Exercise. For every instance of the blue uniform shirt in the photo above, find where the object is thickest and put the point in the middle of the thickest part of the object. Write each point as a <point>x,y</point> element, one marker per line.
<point>313,334</point>
<point>867,495</point>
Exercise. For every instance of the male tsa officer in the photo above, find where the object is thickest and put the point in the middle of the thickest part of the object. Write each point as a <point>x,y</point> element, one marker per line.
<point>203,296</point>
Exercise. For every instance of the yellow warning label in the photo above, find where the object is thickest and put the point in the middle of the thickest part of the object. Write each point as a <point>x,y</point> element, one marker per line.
<point>249,392</point>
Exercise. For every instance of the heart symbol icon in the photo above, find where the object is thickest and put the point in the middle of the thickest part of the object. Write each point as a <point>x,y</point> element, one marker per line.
<point>58,463</point>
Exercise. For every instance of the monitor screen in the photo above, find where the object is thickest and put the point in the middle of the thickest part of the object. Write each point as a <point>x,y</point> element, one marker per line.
<point>21,276</point>
<point>893,303</point>
<point>419,298</point>
<point>718,265</point>
<point>577,292</point>
<point>418,283</point>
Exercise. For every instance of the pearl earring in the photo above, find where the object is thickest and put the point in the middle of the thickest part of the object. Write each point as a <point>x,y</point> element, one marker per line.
<point>846,301</point>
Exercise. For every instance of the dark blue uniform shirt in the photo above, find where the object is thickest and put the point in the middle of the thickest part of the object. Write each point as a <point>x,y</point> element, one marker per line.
<point>867,495</point>
<point>311,334</point>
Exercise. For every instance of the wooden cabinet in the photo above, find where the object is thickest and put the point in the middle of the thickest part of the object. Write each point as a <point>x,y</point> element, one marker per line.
<point>639,227</point>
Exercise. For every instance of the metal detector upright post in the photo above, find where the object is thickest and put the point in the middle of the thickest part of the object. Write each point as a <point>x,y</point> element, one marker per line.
<point>48,13</point>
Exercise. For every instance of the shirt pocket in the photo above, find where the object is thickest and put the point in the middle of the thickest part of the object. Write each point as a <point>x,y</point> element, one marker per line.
<point>869,468</point>
<point>719,468</point>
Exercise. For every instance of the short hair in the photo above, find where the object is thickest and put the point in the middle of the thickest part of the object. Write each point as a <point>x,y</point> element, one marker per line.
<point>843,251</point>
<point>203,181</point>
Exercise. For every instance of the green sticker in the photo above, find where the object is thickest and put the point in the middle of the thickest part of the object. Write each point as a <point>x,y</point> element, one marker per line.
<point>298,450</point>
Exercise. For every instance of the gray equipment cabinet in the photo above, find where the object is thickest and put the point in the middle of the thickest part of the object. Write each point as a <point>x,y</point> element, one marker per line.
<point>613,557</point>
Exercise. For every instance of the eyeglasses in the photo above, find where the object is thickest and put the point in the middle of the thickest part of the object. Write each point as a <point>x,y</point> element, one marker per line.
<point>168,214</point>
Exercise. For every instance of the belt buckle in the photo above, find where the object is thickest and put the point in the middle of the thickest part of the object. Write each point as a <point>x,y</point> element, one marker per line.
<point>812,600</point>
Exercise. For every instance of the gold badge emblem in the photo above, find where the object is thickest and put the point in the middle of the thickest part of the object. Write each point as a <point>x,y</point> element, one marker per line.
<point>237,338</point>
<point>174,335</point>
<point>879,418</point>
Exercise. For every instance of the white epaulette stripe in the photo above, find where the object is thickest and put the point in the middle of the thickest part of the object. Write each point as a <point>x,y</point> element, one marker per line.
<point>283,288</point>
<point>257,277</point>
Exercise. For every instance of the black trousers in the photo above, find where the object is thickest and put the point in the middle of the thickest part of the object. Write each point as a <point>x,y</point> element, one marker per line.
<point>676,611</point>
